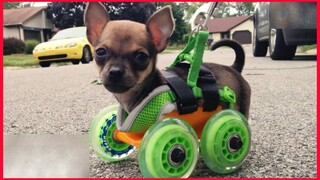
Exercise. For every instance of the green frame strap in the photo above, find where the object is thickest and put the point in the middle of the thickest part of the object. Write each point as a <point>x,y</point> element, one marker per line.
<point>197,43</point>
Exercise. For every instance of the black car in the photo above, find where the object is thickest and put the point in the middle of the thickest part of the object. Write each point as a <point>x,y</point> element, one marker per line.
<point>282,27</point>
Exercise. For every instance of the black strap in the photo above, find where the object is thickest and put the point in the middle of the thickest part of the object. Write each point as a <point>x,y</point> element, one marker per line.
<point>211,97</point>
<point>210,91</point>
<point>186,101</point>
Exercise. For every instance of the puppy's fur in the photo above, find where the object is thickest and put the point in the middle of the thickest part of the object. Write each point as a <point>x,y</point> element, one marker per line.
<point>126,54</point>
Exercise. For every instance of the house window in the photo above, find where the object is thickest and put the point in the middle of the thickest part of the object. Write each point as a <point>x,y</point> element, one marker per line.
<point>225,35</point>
<point>30,34</point>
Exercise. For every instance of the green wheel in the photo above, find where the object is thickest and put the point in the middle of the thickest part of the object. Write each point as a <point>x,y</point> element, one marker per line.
<point>168,149</point>
<point>101,136</point>
<point>225,141</point>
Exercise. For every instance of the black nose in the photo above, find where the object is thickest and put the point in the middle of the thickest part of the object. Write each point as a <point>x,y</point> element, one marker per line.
<point>115,72</point>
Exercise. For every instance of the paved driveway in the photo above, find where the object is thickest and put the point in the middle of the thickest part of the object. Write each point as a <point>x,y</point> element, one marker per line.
<point>62,101</point>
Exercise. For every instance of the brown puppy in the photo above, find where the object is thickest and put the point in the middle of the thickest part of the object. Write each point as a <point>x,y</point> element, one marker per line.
<point>126,54</point>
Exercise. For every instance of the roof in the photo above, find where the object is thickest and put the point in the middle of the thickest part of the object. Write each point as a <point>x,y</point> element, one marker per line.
<point>225,24</point>
<point>20,15</point>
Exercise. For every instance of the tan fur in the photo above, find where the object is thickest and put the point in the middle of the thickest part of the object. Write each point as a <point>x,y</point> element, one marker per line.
<point>121,37</point>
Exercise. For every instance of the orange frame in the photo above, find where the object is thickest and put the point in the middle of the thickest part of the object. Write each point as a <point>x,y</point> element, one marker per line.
<point>196,119</point>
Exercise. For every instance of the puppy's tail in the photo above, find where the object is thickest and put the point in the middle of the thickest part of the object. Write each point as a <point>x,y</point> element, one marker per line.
<point>240,55</point>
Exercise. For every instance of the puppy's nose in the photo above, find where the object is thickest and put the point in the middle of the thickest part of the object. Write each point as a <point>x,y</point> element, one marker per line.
<point>115,72</point>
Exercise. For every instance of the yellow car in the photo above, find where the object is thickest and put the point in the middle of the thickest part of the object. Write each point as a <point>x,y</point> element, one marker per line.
<point>67,45</point>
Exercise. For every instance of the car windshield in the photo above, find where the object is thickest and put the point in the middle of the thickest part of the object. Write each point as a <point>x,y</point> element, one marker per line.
<point>70,33</point>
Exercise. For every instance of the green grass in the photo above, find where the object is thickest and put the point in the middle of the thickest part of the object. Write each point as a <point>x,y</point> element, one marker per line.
<point>306,48</point>
<point>176,47</point>
<point>170,51</point>
<point>20,60</point>
<point>25,60</point>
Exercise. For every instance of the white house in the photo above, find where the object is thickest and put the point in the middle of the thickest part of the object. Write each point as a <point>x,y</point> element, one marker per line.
<point>27,23</point>
<point>236,28</point>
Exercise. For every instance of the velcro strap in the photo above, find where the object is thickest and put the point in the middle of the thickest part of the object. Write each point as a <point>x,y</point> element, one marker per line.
<point>186,100</point>
<point>210,91</point>
<point>211,97</point>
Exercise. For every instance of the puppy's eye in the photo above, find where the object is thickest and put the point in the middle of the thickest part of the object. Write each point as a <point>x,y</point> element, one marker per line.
<point>101,52</point>
<point>140,58</point>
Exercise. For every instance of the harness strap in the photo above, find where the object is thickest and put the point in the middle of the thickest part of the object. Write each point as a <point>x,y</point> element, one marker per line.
<point>185,99</point>
<point>207,83</point>
<point>210,91</point>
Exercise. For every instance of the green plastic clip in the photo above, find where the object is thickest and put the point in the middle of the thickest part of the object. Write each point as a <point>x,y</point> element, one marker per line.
<point>228,95</point>
<point>197,92</point>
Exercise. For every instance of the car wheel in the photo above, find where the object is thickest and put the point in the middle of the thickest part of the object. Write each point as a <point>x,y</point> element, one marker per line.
<point>277,48</point>
<point>259,48</point>
<point>86,55</point>
<point>44,64</point>
<point>75,62</point>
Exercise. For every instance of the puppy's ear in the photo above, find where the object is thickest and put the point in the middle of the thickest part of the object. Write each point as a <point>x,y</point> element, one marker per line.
<point>161,25</point>
<point>95,18</point>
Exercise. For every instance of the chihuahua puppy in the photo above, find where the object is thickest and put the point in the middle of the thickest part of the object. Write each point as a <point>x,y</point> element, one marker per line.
<point>126,55</point>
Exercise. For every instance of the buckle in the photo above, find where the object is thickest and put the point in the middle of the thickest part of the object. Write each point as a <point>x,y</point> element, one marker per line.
<point>185,107</point>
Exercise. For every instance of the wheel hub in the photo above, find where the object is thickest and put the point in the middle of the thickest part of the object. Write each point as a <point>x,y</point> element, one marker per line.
<point>235,143</point>
<point>176,155</point>
<point>273,37</point>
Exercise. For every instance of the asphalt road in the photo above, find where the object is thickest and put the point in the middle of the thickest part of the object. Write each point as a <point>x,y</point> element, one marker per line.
<point>61,100</point>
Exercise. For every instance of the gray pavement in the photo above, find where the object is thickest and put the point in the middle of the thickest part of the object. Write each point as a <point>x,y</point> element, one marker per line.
<point>61,100</point>
<point>61,156</point>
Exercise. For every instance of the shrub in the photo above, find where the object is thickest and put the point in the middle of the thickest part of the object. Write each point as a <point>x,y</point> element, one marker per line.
<point>13,45</point>
<point>30,45</point>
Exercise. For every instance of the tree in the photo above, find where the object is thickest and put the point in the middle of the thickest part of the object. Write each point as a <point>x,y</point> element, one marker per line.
<point>139,12</point>
<point>182,27</point>
<point>12,5</point>
<point>190,9</point>
<point>224,9</point>
<point>65,15</point>
<point>227,9</point>
<point>243,8</point>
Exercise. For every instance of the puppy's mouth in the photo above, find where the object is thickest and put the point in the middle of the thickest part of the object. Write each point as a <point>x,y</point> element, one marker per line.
<point>117,86</point>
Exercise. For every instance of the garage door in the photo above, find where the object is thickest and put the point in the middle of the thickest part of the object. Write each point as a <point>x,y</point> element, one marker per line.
<point>243,37</point>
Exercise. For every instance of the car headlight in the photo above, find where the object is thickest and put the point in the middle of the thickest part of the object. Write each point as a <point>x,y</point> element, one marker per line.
<point>37,49</point>
<point>72,44</point>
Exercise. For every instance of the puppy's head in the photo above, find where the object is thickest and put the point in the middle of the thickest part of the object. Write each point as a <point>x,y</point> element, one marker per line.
<point>125,51</point>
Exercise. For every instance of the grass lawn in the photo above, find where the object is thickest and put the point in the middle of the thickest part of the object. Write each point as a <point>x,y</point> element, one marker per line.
<point>307,47</point>
<point>25,60</point>
<point>20,60</point>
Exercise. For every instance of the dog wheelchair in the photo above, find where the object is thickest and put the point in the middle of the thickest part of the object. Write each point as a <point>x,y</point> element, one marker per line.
<point>169,127</point>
